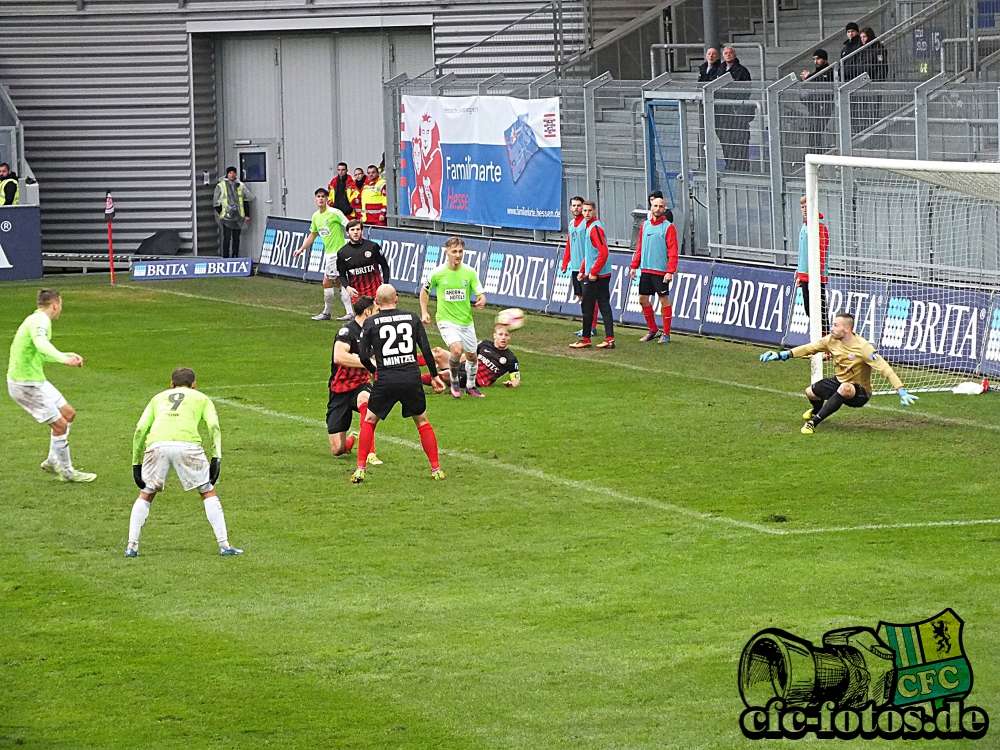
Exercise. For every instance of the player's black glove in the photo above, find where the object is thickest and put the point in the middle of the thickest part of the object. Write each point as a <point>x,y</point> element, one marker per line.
<point>213,470</point>
<point>137,476</point>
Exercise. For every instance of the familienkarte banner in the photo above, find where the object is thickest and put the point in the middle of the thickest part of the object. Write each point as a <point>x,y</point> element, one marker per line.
<point>488,160</point>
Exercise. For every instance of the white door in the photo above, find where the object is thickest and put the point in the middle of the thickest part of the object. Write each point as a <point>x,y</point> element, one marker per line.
<point>258,171</point>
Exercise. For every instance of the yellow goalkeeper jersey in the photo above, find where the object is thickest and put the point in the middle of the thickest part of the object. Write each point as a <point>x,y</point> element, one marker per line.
<point>853,361</point>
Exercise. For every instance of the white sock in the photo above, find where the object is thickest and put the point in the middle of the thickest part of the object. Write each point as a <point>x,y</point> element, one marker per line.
<point>327,301</point>
<point>345,297</point>
<point>69,426</point>
<point>470,370</point>
<point>59,449</point>
<point>140,512</point>
<point>213,509</point>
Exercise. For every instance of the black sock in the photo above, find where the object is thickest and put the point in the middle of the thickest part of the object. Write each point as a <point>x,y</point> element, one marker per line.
<point>817,404</point>
<point>832,404</point>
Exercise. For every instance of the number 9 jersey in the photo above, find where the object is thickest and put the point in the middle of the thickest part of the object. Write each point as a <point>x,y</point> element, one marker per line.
<point>173,416</point>
<point>392,338</point>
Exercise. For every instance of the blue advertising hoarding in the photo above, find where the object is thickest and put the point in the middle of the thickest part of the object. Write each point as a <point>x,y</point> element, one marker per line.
<point>20,243</point>
<point>282,237</point>
<point>190,268</point>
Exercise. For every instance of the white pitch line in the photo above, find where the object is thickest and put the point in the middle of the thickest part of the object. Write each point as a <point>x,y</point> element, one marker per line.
<point>608,492</point>
<point>702,378</point>
<point>534,473</point>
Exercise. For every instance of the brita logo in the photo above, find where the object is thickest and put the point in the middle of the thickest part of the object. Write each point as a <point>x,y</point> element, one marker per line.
<point>522,276</point>
<point>800,321</point>
<point>717,299</point>
<point>934,327</point>
<point>895,322</point>
<point>993,341</point>
<point>493,272</point>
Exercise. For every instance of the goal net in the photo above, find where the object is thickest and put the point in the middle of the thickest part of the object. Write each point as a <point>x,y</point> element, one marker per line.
<point>914,255</point>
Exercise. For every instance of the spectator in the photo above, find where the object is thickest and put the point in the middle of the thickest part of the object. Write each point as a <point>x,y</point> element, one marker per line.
<point>344,194</point>
<point>711,68</point>
<point>9,189</point>
<point>373,201</point>
<point>733,122</point>
<point>232,202</point>
<point>872,59</point>
<point>359,177</point>
<point>818,101</point>
<point>851,68</point>
<point>649,206</point>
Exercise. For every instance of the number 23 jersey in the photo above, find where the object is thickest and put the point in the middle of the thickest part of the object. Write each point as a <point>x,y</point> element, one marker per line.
<point>393,338</point>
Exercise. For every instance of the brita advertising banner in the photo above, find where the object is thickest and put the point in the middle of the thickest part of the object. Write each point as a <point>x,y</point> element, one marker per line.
<point>490,160</point>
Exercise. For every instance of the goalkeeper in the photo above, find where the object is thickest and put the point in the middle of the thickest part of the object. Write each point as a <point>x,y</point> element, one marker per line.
<point>853,361</point>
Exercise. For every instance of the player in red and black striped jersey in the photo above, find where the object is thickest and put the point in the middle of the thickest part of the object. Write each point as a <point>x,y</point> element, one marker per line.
<point>350,382</point>
<point>494,361</point>
<point>360,264</point>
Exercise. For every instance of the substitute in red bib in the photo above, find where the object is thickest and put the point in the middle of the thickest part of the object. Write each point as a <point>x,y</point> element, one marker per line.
<point>360,264</point>
<point>656,260</point>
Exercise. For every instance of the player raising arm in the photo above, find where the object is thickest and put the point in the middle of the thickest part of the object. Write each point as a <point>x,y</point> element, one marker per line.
<point>27,385</point>
<point>853,361</point>
<point>167,436</point>
<point>456,285</point>
<point>329,224</point>
<point>392,337</point>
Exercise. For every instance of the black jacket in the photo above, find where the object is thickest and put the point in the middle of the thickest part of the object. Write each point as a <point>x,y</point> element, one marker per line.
<point>706,73</point>
<point>852,68</point>
<point>7,199</point>
<point>822,74</point>
<point>737,70</point>
<point>874,61</point>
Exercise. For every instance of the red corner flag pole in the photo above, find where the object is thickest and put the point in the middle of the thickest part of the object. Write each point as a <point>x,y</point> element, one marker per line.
<point>109,215</point>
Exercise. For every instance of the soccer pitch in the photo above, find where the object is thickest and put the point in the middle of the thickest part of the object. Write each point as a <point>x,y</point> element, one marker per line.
<point>609,537</point>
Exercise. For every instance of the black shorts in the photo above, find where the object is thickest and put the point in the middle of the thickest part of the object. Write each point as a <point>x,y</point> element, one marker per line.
<point>651,283</point>
<point>387,393</point>
<point>577,286</point>
<point>340,407</point>
<point>826,387</point>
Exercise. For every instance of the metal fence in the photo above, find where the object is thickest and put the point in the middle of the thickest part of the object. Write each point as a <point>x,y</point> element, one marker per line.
<point>729,156</point>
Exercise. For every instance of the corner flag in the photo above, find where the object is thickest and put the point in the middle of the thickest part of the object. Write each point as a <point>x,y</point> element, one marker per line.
<point>109,208</point>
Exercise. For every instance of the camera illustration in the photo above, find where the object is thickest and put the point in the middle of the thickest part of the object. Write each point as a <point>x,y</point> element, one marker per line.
<point>852,668</point>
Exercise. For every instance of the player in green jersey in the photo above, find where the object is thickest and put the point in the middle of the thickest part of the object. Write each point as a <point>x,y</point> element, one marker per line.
<point>167,436</point>
<point>456,284</point>
<point>27,385</point>
<point>328,223</point>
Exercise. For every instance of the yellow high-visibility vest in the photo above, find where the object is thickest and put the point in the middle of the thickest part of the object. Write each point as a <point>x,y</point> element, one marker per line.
<point>373,202</point>
<point>225,198</point>
<point>3,191</point>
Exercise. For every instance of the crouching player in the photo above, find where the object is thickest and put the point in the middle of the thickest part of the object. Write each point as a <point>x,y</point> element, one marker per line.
<point>853,361</point>
<point>494,360</point>
<point>167,436</point>
<point>350,382</point>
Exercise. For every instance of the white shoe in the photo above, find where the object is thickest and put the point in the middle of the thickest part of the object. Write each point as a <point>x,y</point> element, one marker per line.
<point>322,316</point>
<point>49,467</point>
<point>374,460</point>
<point>347,316</point>
<point>78,476</point>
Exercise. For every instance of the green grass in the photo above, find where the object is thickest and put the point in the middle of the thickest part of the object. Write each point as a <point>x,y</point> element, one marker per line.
<point>499,609</point>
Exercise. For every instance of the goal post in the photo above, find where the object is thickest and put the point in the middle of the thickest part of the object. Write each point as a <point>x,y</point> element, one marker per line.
<point>914,255</point>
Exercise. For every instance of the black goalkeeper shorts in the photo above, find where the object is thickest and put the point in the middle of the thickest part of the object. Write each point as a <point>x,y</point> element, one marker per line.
<point>387,393</point>
<point>341,407</point>
<point>826,387</point>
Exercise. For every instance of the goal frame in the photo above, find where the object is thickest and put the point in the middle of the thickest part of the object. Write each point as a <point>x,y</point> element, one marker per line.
<point>812,167</point>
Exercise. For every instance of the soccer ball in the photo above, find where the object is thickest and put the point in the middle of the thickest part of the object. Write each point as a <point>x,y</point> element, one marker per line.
<point>512,317</point>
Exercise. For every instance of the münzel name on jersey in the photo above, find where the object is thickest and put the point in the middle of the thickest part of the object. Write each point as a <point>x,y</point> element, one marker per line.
<point>402,359</point>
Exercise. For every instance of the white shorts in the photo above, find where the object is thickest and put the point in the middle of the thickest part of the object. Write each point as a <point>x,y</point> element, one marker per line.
<point>330,266</point>
<point>187,459</point>
<point>451,333</point>
<point>40,400</point>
